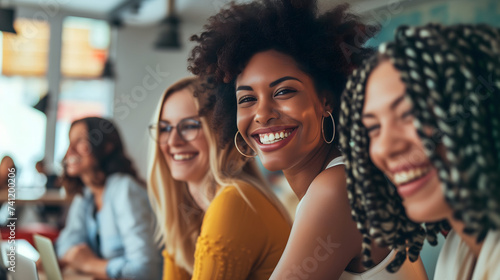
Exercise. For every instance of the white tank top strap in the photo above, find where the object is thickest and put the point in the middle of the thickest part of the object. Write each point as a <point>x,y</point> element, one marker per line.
<point>336,161</point>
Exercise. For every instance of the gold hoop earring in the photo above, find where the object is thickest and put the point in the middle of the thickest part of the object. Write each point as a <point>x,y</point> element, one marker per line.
<point>323,128</point>
<point>236,145</point>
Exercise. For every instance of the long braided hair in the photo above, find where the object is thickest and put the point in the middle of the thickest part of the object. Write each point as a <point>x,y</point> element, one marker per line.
<point>452,79</point>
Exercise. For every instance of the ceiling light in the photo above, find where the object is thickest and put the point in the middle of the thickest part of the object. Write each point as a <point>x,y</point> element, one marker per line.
<point>7,20</point>
<point>169,36</point>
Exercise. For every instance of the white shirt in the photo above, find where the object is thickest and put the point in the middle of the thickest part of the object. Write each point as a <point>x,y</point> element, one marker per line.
<point>457,261</point>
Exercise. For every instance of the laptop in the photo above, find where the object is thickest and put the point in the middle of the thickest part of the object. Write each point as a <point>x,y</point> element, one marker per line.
<point>48,256</point>
<point>20,265</point>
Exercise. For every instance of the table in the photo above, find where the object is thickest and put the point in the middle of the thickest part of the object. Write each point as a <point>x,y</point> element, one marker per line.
<point>68,274</point>
<point>36,195</point>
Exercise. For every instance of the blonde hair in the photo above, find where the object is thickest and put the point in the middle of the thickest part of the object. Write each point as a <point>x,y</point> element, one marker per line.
<point>178,216</point>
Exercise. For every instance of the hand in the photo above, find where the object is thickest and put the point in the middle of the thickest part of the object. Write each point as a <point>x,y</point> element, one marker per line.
<point>80,257</point>
<point>38,263</point>
<point>83,259</point>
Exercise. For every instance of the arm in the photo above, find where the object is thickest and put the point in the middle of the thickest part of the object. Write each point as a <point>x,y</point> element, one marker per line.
<point>324,238</point>
<point>83,259</point>
<point>72,247</point>
<point>133,216</point>
<point>231,239</point>
<point>74,232</point>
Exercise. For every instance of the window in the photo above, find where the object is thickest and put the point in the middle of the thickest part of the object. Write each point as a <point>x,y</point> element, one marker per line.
<point>23,85</point>
<point>23,66</point>
<point>85,44</point>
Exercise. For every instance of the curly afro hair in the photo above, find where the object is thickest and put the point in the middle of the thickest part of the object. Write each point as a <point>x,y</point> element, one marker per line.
<point>327,47</point>
<point>451,76</point>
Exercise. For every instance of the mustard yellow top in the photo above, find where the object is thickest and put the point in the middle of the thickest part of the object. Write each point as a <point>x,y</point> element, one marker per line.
<point>171,271</point>
<point>236,241</point>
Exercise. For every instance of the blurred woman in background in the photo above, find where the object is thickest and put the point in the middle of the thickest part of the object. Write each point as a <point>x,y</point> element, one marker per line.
<point>217,218</point>
<point>108,232</point>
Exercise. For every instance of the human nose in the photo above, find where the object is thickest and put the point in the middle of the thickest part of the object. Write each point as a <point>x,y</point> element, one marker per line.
<point>174,138</point>
<point>390,143</point>
<point>69,152</point>
<point>71,149</point>
<point>266,111</point>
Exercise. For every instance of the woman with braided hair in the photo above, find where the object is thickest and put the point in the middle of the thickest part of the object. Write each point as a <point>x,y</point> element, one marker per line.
<point>276,70</point>
<point>422,114</point>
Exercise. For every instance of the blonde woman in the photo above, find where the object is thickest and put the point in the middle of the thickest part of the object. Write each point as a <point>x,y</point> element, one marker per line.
<point>209,199</point>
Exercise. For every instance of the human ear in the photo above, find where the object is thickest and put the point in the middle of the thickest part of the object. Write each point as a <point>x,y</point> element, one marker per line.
<point>326,105</point>
<point>109,148</point>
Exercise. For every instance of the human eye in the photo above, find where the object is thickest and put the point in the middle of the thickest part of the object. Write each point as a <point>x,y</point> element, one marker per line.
<point>190,124</point>
<point>83,145</point>
<point>82,141</point>
<point>284,91</point>
<point>246,99</point>
<point>408,115</point>
<point>164,127</point>
<point>372,130</point>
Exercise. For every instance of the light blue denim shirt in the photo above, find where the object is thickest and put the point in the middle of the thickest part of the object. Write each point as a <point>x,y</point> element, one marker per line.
<point>124,226</point>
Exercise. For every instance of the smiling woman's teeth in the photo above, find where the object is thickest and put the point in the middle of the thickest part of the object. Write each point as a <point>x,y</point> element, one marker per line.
<point>183,156</point>
<point>271,138</point>
<point>407,176</point>
<point>72,159</point>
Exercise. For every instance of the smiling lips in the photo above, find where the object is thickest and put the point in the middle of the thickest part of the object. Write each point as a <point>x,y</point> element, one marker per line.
<point>273,137</point>
<point>183,156</point>
<point>72,159</point>
<point>411,179</point>
<point>409,175</point>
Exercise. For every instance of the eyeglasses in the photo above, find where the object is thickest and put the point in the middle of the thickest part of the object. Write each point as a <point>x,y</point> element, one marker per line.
<point>187,129</point>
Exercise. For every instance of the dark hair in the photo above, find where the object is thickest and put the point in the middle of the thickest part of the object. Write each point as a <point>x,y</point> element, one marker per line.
<point>9,163</point>
<point>327,47</point>
<point>8,158</point>
<point>451,76</point>
<point>107,148</point>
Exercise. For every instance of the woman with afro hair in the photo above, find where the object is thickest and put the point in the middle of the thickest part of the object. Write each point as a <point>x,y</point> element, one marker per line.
<point>217,217</point>
<point>275,71</point>
<point>420,131</point>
